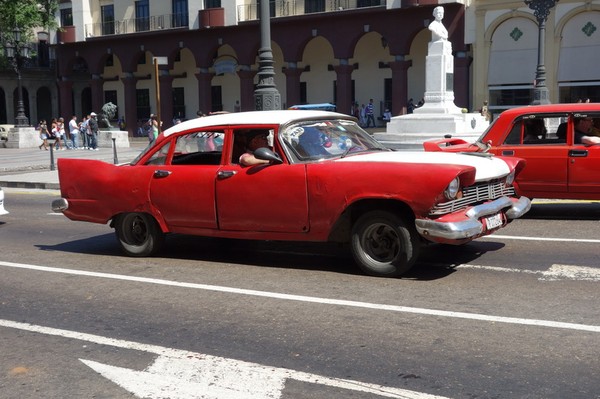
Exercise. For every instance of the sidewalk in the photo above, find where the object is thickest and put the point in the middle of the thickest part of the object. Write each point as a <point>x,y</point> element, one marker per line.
<point>30,167</point>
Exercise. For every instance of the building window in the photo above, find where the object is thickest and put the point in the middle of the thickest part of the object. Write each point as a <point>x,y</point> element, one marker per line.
<point>108,19</point>
<point>216,95</point>
<point>180,13</point>
<point>142,16</point>
<point>66,17</point>
<point>142,97</point>
<point>271,8</point>
<point>367,3</point>
<point>314,6</point>
<point>212,3</point>
<point>179,103</point>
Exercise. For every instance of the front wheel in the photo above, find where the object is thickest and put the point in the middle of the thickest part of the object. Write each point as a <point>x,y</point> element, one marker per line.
<point>138,234</point>
<point>384,244</point>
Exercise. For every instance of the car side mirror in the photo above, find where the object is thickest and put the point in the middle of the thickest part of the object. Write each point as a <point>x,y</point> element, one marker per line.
<point>267,154</point>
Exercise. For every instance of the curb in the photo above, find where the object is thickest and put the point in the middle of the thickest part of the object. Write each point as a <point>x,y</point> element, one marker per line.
<point>40,186</point>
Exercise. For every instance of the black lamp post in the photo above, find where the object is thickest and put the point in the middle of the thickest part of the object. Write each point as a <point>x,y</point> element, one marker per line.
<point>541,10</point>
<point>266,96</point>
<point>17,51</point>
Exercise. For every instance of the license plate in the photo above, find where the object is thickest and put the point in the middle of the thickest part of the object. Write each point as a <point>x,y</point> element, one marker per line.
<point>493,221</point>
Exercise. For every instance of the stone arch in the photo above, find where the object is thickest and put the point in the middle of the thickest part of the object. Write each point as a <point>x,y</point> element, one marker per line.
<point>416,73</point>
<point>318,56</point>
<point>579,50</point>
<point>514,43</point>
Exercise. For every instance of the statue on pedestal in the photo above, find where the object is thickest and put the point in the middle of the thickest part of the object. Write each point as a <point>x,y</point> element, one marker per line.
<point>437,28</point>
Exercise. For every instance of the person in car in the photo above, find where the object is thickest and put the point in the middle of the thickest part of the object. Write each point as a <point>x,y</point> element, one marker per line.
<point>582,129</point>
<point>255,139</point>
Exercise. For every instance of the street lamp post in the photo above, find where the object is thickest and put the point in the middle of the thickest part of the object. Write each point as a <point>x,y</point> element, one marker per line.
<point>541,10</point>
<point>266,96</point>
<point>17,51</point>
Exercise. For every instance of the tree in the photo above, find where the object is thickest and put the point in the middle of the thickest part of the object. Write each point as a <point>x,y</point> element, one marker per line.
<point>26,15</point>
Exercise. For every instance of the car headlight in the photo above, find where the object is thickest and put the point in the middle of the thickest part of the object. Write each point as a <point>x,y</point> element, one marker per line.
<point>452,190</point>
<point>510,179</point>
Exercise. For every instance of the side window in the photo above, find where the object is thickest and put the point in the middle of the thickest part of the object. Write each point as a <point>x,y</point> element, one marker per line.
<point>514,137</point>
<point>242,141</point>
<point>160,156</point>
<point>200,148</point>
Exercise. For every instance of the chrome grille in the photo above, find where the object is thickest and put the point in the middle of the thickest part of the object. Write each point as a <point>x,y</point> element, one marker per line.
<point>474,195</point>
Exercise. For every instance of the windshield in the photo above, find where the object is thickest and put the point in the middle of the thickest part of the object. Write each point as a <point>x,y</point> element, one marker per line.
<point>312,140</point>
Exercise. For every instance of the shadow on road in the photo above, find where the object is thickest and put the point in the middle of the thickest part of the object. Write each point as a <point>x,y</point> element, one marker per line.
<point>436,261</point>
<point>564,211</point>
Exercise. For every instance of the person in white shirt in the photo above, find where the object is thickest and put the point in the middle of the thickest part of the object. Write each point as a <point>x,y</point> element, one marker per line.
<point>74,131</point>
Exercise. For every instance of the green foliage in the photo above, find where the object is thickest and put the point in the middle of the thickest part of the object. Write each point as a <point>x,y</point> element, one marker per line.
<point>26,14</point>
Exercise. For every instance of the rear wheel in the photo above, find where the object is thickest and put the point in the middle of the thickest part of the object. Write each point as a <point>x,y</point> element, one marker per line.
<point>138,234</point>
<point>384,244</point>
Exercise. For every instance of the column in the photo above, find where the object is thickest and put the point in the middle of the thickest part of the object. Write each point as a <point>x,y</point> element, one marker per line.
<point>97,86</point>
<point>462,65</point>
<point>246,76</point>
<point>399,69</point>
<point>129,89</point>
<point>292,83</point>
<point>165,81</point>
<point>343,86</point>
<point>204,90</point>
<point>65,96</point>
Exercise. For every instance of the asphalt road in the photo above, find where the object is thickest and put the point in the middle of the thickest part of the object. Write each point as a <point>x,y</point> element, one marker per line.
<point>514,315</point>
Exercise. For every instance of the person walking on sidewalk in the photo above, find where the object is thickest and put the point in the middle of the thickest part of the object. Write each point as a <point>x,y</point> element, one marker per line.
<point>93,128</point>
<point>66,139</point>
<point>56,135</point>
<point>74,132</point>
<point>370,111</point>
<point>84,131</point>
<point>44,134</point>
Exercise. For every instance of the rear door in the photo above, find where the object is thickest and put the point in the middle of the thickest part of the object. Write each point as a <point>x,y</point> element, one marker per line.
<point>182,187</point>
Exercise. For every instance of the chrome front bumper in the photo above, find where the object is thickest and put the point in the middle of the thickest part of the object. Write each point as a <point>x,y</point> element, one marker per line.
<point>472,226</point>
<point>60,205</point>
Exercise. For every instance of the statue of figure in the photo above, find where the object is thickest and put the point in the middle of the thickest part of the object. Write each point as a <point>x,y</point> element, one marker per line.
<point>109,110</point>
<point>437,28</point>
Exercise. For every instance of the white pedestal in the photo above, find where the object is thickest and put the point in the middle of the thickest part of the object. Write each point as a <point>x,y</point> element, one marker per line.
<point>105,137</point>
<point>23,137</point>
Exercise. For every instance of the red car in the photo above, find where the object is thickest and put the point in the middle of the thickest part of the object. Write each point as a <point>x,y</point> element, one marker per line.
<point>559,163</point>
<point>326,180</point>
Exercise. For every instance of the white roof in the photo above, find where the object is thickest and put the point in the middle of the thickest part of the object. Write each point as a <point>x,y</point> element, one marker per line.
<point>252,117</point>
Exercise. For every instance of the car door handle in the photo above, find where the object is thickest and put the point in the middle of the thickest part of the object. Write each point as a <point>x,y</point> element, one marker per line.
<point>508,153</point>
<point>159,174</point>
<point>225,174</point>
<point>578,153</point>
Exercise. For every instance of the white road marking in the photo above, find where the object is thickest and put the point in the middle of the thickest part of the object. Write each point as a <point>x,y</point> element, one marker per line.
<point>309,299</point>
<point>524,238</point>
<point>180,374</point>
<point>555,273</point>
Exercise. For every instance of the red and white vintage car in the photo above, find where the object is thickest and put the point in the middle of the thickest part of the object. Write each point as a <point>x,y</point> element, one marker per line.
<point>559,165</point>
<point>327,180</point>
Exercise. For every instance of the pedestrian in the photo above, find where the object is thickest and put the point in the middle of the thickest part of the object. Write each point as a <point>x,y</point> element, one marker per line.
<point>93,132</point>
<point>44,134</point>
<point>63,134</point>
<point>56,135</point>
<point>370,112</point>
<point>74,132</point>
<point>84,129</point>
<point>362,121</point>
<point>410,107</point>
<point>154,127</point>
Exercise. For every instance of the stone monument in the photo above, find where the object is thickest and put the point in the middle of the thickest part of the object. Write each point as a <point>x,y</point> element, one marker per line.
<point>107,132</point>
<point>438,116</point>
